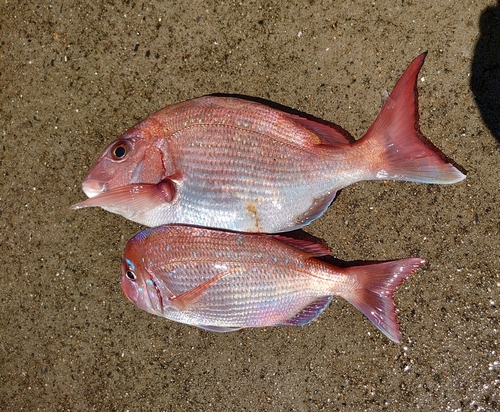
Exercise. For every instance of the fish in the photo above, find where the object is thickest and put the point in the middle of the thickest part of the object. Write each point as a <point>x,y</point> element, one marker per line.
<point>237,164</point>
<point>222,281</point>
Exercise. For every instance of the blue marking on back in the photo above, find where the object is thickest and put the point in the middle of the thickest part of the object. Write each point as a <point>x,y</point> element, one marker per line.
<point>130,264</point>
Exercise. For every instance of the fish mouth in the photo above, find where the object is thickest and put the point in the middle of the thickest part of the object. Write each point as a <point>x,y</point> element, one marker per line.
<point>93,188</point>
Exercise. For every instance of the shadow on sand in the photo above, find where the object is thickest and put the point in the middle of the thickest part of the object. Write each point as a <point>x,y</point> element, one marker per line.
<point>485,77</point>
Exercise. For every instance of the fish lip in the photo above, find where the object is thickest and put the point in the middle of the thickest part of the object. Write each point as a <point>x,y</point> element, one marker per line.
<point>93,188</point>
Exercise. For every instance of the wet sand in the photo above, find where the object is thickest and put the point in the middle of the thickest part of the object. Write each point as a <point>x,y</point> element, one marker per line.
<point>74,75</point>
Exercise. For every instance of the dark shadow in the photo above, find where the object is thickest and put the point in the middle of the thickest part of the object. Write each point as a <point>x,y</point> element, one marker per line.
<point>485,76</point>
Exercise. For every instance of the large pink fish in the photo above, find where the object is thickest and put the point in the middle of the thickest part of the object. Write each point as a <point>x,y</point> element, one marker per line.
<point>237,164</point>
<point>224,281</point>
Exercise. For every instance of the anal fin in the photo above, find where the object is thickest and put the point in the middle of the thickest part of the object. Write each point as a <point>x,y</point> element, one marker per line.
<point>309,313</point>
<point>318,207</point>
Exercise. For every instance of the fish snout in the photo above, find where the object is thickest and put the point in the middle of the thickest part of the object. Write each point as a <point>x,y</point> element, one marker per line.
<point>93,187</point>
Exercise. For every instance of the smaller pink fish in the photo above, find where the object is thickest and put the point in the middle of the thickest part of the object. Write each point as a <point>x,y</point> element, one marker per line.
<point>224,281</point>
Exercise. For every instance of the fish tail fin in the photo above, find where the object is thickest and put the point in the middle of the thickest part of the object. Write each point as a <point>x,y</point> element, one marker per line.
<point>394,143</point>
<point>374,294</point>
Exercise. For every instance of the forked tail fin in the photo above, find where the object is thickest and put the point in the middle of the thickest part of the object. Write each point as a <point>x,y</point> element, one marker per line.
<point>394,143</point>
<point>374,296</point>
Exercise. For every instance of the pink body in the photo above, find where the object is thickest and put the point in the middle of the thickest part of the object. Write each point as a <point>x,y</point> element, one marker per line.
<point>237,164</point>
<point>223,281</point>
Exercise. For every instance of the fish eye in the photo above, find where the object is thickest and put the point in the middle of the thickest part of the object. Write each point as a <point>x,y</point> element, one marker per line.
<point>131,275</point>
<point>120,150</point>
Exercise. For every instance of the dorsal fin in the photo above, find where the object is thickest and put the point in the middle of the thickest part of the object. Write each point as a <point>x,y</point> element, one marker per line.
<point>328,135</point>
<point>314,249</point>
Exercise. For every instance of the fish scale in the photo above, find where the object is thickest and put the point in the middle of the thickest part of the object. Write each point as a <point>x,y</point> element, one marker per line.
<point>244,179</point>
<point>250,159</point>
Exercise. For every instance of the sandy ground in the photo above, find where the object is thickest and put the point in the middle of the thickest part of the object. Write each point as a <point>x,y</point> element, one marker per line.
<point>74,75</point>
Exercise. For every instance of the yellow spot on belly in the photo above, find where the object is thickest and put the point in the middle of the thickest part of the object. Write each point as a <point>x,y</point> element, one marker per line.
<point>252,208</point>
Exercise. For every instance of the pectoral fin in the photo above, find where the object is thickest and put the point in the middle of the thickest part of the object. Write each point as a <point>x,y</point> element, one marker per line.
<point>145,196</point>
<point>186,299</point>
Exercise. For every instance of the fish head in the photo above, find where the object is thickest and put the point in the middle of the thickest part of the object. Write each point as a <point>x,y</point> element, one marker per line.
<point>134,157</point>
<point>138,282</point>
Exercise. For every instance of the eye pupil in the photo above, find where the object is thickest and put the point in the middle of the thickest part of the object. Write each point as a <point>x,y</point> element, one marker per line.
<point>120,151</point>
<point>131,275</point>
